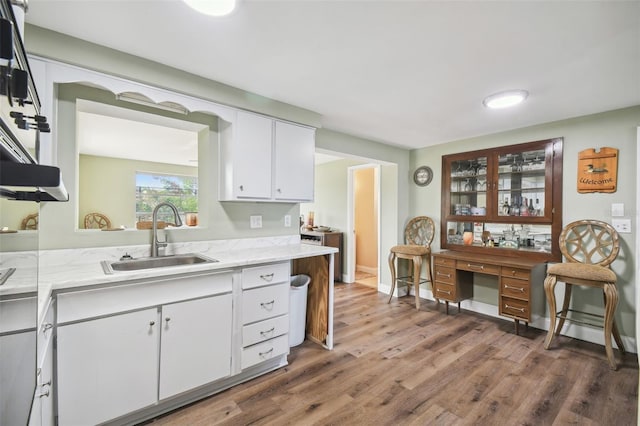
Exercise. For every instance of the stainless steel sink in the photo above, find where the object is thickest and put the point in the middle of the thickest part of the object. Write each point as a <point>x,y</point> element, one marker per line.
<point>154,262</point>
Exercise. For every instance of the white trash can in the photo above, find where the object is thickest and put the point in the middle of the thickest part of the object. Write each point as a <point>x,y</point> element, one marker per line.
<point>298,308</point>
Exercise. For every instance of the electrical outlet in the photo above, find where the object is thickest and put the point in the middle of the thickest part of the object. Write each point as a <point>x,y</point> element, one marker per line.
<point>255,221</point>
<point>287,221</point>
<point>623,226</point>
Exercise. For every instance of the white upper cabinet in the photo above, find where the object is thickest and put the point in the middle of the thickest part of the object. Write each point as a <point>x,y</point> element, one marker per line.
<point>262,159</point>
<point>294,162</point>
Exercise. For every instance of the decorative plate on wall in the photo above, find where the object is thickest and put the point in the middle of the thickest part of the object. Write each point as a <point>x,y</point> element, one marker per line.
<point>423,176</point>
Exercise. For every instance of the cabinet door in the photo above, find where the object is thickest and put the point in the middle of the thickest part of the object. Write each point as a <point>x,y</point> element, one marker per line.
<point>252,156</point>
<point>294,162</point>
<point>107,367</point>
<point>196,343</point>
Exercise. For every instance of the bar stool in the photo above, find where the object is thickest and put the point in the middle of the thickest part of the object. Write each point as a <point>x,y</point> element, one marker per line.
<point>589,248</point>
<point>418,235</point>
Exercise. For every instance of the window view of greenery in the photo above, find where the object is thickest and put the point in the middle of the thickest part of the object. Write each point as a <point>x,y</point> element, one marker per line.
<point>155,188</point>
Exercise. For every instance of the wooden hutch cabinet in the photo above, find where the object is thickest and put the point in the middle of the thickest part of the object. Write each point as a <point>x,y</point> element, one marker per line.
<point>501,216</point>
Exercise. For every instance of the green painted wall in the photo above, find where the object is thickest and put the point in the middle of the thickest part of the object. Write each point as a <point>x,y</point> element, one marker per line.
<point>615,129</point>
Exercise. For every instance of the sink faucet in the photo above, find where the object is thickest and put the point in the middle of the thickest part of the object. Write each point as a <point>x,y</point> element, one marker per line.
<point>156,245</point>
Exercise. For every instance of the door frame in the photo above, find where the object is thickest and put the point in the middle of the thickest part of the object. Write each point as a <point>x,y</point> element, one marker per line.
<point>350,250</point>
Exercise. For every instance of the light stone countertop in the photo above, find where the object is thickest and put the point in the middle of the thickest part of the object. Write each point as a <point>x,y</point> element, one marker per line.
<point>68,269</point>
<point>91,273</point>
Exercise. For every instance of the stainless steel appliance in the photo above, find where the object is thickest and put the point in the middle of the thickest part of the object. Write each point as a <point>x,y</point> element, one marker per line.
<point>21,177</point>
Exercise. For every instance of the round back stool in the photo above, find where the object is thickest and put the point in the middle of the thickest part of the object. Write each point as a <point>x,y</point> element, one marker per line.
<point>589,248</point>
<point>418,235</point>
<point>96,221</point>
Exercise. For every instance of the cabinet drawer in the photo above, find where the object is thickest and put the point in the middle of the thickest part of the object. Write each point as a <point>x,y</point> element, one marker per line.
<point>264,330</point>
<point>265,302</point>
<point>446,292</point>
<point>265,275</point>
<point>444,261</point>
<point>263,351</point>
<point>514,308</point>
<point>521,274</point>
<point>514,288</point>
<point>444,274</point>
<point>479,267</point>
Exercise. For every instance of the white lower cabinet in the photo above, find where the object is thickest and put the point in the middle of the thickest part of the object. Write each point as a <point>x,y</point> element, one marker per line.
<point>107,367</point>
<point>128,351</point>
<point>196,344</point>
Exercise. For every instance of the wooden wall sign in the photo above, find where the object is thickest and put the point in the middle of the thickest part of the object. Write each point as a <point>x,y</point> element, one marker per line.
<point>597,170</point>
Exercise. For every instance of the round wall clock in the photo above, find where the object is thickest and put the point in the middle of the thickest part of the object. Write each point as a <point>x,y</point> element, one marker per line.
<point>423,176</point>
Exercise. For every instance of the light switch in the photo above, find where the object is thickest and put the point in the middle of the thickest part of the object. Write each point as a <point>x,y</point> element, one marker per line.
<point>617,209</point>
<point>287,221</point>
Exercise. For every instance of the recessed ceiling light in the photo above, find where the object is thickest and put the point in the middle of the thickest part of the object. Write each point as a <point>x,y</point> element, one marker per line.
<point>505,99</point>
<point>212,7</point>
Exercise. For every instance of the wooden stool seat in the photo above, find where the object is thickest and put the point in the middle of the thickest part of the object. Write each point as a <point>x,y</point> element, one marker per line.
<point>589,247</point>
<point>419,233</point>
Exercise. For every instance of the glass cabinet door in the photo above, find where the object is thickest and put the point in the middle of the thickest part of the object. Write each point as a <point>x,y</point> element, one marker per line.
<point>506,198</point>
<point>522,184</point>
<point>468,187</point>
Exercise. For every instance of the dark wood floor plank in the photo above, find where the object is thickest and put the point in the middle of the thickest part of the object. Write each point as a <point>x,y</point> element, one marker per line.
<point>395,365</point>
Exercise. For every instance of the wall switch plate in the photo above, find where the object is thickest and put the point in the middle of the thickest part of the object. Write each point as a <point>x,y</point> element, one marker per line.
<point>623,226</point>
<point>255,221</point>
<point>617,209</point>
<point>287,221</point>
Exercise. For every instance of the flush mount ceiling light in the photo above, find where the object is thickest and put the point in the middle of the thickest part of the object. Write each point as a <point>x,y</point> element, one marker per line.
<point>505,99</point>
<point>212,7</point>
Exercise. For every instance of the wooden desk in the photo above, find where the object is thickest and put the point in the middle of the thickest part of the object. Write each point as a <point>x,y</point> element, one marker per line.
<point>520,281</point>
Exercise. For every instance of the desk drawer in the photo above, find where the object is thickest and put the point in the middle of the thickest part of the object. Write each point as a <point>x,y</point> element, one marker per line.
<point>514,308</point>
<point>479,267</point>
<point>446,292</point>
<point>521,274</point>
<point>443,261</point>
<point>445,274</point>
<point>514,288</point>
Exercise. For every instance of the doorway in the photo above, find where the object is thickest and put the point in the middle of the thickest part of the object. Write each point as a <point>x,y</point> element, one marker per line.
<point>363,211</point>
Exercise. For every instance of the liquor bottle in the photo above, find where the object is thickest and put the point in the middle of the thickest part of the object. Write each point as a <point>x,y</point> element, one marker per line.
<point>524,210</point>
<point>505,207</point>
<point>515,207</point>
<point>532,210</point>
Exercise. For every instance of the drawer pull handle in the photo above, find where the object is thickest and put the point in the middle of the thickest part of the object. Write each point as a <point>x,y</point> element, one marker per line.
<point>520,289</point>
<point>444,275</point>
<point>267,305</point>
<point>481,267</point>
<point>266,352</point>
<point>44,394</point>
<point>444,291</point>
<point>46,326</point>
<point>152,323</point>
<point>267,277</point>
<point>167,319</point>
<point>265,333</point>
<point>514,308</point>
<point>513,273</point>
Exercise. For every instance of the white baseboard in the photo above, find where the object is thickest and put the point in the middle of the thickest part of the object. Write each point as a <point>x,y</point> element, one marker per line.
<point>577,331</point>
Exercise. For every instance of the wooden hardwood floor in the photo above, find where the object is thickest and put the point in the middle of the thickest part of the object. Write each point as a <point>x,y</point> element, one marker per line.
<point>393,365</point>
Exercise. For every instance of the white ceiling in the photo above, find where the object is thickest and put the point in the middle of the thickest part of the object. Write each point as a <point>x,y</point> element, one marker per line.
<point>407,73</point>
